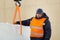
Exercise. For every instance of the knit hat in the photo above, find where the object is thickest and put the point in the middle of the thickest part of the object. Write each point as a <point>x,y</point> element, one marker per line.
<point>39,11</point>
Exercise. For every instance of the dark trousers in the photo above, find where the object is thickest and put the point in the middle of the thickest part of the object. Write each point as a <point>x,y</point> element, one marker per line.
<point>31,38</point>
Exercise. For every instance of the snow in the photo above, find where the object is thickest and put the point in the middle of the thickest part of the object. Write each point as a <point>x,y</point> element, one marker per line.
<point>12,32</point>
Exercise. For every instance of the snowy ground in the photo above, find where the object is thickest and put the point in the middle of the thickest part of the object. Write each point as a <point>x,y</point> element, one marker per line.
<point>11,32</point>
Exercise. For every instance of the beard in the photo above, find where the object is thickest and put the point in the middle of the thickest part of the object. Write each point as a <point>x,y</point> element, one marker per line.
<point>38,17</point>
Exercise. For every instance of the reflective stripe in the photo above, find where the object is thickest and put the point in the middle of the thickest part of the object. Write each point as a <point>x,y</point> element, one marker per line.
<point>43,23</point>
<point>36,34</point>
<point>37,27</point>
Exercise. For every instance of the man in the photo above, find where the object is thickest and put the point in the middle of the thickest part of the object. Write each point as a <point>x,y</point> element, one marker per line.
<point>40,26</point>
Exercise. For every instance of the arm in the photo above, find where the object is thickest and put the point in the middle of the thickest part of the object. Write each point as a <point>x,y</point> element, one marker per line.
<point>47,30</point>
<point>25,22</point>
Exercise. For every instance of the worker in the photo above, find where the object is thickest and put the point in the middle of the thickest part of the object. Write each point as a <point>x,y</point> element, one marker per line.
<point>40,26</point>
<point>17,2</point>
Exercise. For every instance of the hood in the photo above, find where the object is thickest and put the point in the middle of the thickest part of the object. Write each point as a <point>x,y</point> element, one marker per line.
<point>45,16</point>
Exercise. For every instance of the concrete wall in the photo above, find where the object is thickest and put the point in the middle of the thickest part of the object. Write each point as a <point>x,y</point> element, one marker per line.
<point>28,9</point>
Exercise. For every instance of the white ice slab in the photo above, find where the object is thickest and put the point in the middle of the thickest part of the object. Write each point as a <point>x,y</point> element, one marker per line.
<point>11,32</point>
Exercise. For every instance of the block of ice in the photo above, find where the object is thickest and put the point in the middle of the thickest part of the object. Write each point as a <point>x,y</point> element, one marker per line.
<point>12,32</point>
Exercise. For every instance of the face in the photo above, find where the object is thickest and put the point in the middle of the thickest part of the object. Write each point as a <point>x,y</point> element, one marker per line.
<point>38,15</point>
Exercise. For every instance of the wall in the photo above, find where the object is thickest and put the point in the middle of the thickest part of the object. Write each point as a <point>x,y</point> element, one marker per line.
<point>28,9</point>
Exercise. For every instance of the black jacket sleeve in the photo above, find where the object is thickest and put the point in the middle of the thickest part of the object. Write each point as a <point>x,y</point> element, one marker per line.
<point>47,30</point>
<point>25,22</point>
